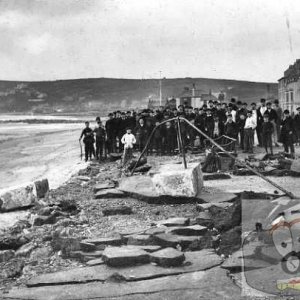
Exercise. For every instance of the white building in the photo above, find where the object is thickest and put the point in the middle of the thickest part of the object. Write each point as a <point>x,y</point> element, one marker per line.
<point>289,88</point>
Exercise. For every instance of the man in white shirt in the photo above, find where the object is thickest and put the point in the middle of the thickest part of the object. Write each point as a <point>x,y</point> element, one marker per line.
<point>128,140</point>
<point>249,128</point>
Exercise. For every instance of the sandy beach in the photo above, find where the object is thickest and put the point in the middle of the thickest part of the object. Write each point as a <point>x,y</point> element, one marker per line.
<point>29,152</point>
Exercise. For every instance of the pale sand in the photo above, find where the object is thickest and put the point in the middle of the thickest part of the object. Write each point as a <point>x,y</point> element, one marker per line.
<point>39,151</point>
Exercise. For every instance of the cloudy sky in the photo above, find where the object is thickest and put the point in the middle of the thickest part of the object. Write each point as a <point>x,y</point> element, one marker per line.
<point>237,39</point>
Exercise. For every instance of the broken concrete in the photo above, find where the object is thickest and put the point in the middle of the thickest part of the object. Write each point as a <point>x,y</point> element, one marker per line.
<point>87,247</point>
<point>102,242</point>
<point>6,255</point>
<point>174,222</point>
<point>195,261</point>
<point>172,240</point>
<point>12,242</point>
<point>124,256</point>
<point>103,186</point>
<point>168,257</point>
<point>218,197</point>
<point>13,268</point>
<point>25,249</point>
<point>95,262</point>
<point>109,193</point>
<point>139,239</point>
<point>17,199</point>
<point>85,256</point>
<point>188,230</point>
<point>41,188</point>
<point>204,218</point>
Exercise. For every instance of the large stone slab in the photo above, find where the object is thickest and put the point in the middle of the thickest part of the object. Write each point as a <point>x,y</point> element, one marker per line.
<point>173,180</point>
<point>167,182</point>
<point>195,261</point>
<point>123,256</point>
<point>18,198</point>
<point>210,284</point>
<point>168,257</point>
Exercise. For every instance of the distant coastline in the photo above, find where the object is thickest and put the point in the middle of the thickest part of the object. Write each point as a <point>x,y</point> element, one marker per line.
<point>40,121</point>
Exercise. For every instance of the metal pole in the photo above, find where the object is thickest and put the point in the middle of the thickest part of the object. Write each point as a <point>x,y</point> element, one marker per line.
<point>160,96</point>
<point>181,143</point>
<point>291,195</point>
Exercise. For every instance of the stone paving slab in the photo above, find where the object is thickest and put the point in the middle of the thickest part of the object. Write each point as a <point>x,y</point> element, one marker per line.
<point>124,256</point>
<point>194,261</point>
<point>168,257</point>
<point>210,284</point>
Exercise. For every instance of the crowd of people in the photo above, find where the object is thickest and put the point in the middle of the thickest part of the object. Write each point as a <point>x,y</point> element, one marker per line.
<point>237,120</point>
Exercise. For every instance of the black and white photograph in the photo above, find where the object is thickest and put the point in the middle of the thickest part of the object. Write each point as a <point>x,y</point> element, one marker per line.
<point>149,150</point>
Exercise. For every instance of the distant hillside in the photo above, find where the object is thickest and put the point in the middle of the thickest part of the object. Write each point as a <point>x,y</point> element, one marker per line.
<point>104,94</point>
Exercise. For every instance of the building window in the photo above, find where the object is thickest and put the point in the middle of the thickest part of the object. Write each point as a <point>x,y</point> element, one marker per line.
<point>292,96</point>
<point>287,97</point>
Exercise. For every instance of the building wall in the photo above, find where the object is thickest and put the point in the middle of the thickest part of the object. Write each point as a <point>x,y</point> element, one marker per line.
<point>289,94</point>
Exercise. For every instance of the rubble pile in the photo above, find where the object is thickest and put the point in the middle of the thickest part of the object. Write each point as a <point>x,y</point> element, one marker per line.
<point>95,228</point>
<point>276,165</point>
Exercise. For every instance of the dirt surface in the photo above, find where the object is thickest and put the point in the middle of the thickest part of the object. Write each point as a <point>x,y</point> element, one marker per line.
<point>89,221</point>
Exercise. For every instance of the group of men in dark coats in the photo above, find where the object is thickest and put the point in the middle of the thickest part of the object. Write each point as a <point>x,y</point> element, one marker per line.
<point>235,119</point>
